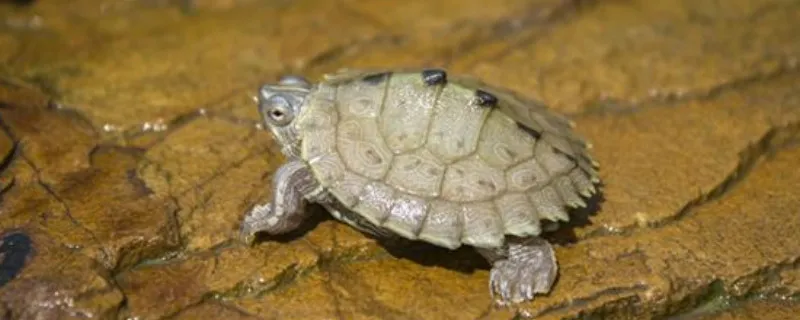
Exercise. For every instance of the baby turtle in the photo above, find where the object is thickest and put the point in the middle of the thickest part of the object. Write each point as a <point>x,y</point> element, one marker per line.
<point>427,156</point>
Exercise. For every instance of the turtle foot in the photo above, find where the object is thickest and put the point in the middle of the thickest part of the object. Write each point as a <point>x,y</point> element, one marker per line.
<point>256,220</point>
<point>530,268</point>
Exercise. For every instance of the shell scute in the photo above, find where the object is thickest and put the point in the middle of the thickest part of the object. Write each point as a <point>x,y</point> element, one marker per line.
<point>443,224</point>
<point>349,188</point>
<point>472,179</point>
<point>319,127</point>
<point>328,168</point>
<point>360,100</point>
<point>417,173</point>
<point>375,201</point>
<point>362,148</point>
<point>568,192</point>
<point>527,175</point>
<point>407,112</point>
<point>549,204</point>
<point>483,226</point>
<point>554,162</point>
<point>456,124</point>
<point>407,215</point>
<point>502,144</point>
<point>518,214</point>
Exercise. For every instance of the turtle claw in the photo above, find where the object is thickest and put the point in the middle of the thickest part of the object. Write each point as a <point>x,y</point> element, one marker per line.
<point>247,239</point>
<point>253,222</point>
<point>246,236</point>
<point>530,269</point>
<point>512,287</point>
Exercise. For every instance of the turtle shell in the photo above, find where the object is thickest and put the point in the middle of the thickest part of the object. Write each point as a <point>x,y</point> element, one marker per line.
<point>443,159</point>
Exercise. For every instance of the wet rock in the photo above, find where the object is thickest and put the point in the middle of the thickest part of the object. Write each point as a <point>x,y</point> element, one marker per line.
<point>158,289</point>
<point>660,270</point>
<point>211,167</point>
<point>7,149</point>
<point>58,283</point>
<point>214,311</point>
<point>27,203</point>
<point>778,310</point>
<point>15,247</point>
<point>125,216</point>
<point>31,116</point>
<point>238,48</point>
<point>670,165</point>
<point>636,51</point>
<point>438,34</point>
<point>88,195</point>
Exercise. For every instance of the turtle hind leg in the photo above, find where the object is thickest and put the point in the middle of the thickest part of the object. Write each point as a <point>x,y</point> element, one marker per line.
<point>291,184</point>
<point>522,268</point>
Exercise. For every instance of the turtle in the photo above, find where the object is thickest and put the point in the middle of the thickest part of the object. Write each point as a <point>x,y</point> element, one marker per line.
<point>423,155</point>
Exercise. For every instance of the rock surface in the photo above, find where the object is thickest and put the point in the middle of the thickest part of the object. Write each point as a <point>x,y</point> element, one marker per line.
<point>130,149</point>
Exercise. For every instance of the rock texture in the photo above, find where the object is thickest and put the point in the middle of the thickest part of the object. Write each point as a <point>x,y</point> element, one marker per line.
<point>130,148</point>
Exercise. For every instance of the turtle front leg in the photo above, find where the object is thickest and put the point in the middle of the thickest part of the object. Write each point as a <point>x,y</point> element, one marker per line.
<point>291,184</point>
<point>521,269</point>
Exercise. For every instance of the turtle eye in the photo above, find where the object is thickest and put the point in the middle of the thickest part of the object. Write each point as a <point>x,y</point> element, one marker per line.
<point>279,112</point>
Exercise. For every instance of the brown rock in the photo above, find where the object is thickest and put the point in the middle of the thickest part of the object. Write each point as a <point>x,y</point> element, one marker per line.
<point>7,150</point>
<point>438,34</point>
<point>58,283</point>
<point>682,154</point>
<point>211,167</point>
<point>212,310</point>
<point>98,203</point>
<point>124,215</point>
<point>151,64</point>
<point>756,310</point>
<point>34,167</point>
<point>660,270</point>
<point>160,289</point>
<point>634,51</point>
<point>29,115</point>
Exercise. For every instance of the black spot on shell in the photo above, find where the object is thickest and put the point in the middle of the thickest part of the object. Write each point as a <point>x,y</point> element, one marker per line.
<point>376,79</point>
<point>535,134</point>
<point>485,99</point>
<point>434,76</point>
<point>14,250</point>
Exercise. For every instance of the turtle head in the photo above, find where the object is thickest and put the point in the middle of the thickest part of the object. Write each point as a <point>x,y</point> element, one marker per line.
<point>279,105</point>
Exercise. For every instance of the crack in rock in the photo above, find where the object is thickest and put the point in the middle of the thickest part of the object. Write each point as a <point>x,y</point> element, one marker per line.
<point>758,285</point>
<point>5,162</point>
<point>261,287</point>
<point>507,27</point>
<point>623,294</point>
<point>774,140</point>
<point>67,212</point>
<point>667,99</point>
<point>7,159</point>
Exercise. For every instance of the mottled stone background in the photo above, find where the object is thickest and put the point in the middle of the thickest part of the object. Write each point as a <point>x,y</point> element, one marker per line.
<point>129,150</point>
